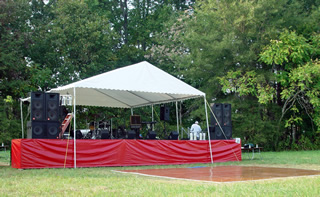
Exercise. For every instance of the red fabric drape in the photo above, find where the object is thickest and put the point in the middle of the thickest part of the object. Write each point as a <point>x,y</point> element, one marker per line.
<point>51,153</point>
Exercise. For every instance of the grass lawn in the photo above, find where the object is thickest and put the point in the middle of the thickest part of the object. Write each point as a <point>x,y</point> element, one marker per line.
<point>105,182</point>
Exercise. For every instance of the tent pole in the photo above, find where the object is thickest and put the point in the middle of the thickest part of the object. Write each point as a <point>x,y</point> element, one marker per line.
<point>152,117</point>
<point>131,111</point>
<point>180,116</point>
<point>21,120</point>
<point>177,115</point>
<point>74,127</point>
<point>205,107</point>
<point>111,128</point>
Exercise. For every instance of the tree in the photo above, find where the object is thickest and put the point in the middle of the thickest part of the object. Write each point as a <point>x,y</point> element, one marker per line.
<point>75,44</point>
<point>298,73</point>
<point>293,61</point>
<point>217,37</point>
<point>14,72</point>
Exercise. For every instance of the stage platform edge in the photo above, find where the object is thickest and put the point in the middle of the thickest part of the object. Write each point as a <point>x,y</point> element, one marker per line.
<point>57,153</point>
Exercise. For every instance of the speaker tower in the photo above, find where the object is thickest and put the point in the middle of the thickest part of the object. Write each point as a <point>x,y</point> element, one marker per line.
<point>223,115</point>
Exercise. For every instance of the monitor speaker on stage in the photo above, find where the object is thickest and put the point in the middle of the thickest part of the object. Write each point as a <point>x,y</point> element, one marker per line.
<point>173,135</point>
<point>37,106</point>
<point>52,106</point>
<point>164,113</point>
<point>105,134</point>
<point>131,134</point>
<point>226,134</point>
<point>151,135</point>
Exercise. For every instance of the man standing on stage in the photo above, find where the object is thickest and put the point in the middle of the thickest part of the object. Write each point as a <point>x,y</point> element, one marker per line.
<point>196,129</point>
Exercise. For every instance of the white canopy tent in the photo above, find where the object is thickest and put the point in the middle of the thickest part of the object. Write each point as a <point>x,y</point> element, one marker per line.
<point>137,85</point>
<point>129,87</point>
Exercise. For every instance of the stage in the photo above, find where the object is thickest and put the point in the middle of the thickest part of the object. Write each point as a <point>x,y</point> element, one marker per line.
<point>59,153</point>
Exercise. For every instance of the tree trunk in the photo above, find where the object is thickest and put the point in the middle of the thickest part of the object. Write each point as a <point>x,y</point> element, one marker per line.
<point>124,9</point>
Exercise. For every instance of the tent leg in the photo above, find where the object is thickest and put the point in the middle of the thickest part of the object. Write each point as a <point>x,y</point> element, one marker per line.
<point>205,107</point>
<point>177,115</point>
<point>111,128</point>
<point>74,128</point>
<point>180,118</point>
<point>22,129</point>
<point>152,117</point>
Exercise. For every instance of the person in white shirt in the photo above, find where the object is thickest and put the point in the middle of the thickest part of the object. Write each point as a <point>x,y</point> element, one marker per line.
<point>196,129</point>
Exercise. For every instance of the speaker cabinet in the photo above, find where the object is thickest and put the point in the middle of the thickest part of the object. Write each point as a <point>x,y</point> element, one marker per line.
<point>218,134</point>
<point>164,113</point>
<point>131,134</point>
<point>79,135</point>
<point>173,135</point>
<point>52,106</point>
<point>135,121</point>
<point>151,135</point>
<point>226,114</point>
<point>105,134</point>
<point>39,130</point>
<point>211,131</point>
<point>37,106</point>
<point>217,109</point>
<point>222,113</point>
<point>53,129</point>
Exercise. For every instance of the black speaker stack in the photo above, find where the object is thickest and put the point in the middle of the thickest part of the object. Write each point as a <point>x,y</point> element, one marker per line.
<point>222,112</point>
<point>45,115</point>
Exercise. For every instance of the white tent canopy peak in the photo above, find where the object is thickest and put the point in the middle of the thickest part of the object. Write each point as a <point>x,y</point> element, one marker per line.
<point>131,86</point>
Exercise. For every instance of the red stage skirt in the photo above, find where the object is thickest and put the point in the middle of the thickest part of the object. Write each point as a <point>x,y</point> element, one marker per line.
<point>57,153</point>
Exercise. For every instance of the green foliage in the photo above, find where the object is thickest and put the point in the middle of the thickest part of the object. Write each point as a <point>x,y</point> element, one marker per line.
<point>261,54</point>
<point>255,123</point>
<point>295,81</point>
<point>306,144</point>
<point>301,78</point>
<point>14,72</point>
<point>227,43</point>
<point>9,124</point>
<point>289,51</point>
<point>75,44</point>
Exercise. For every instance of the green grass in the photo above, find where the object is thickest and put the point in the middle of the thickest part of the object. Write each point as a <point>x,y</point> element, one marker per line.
<point>4,158</point>
<point>106,182</point>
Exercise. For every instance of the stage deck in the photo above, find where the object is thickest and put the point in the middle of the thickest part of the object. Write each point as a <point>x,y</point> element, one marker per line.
<point>224,173</point>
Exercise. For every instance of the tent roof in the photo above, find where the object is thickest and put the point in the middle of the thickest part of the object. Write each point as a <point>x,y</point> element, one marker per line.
<point>132,86</point>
